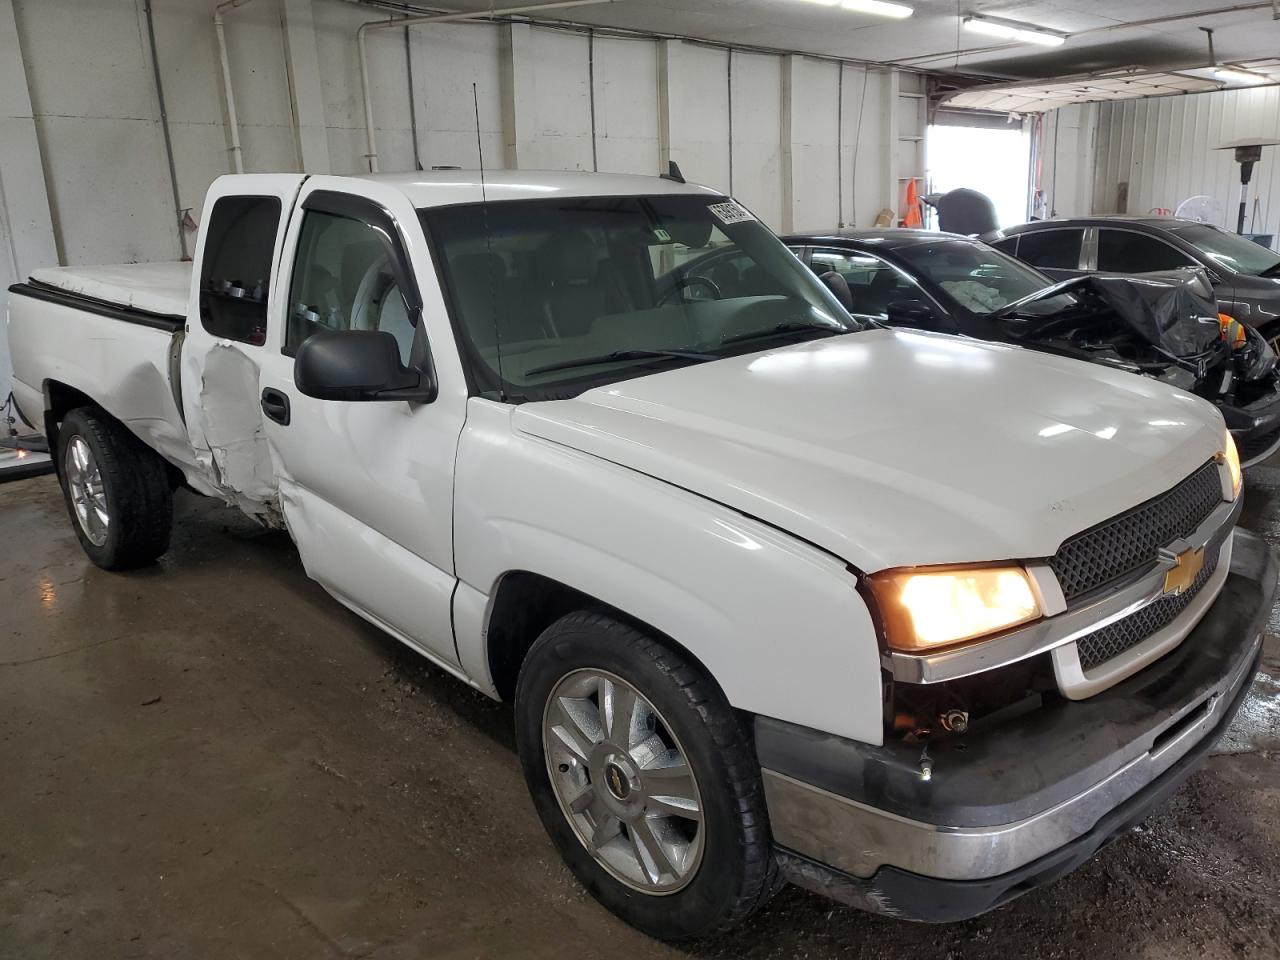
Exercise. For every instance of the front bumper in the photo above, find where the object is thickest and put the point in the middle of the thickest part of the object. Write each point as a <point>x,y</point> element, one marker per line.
<point>1255,428</point>
<point>979,820</point>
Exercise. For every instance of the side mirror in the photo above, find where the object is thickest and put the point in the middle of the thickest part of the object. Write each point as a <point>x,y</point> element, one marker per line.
<point>909,313</point>
<point>358,365</point>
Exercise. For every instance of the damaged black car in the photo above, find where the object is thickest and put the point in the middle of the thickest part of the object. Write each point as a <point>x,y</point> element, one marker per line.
<point>1164,327</point>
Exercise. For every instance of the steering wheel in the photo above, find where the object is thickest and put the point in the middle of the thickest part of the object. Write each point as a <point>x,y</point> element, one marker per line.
<point>685,282</point>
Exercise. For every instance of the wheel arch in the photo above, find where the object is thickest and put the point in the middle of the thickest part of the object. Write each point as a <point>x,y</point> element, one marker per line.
<point>59,400</point>
<point>523,604</point>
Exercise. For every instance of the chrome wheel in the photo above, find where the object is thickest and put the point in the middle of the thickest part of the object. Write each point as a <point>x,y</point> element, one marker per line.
<point>88,495</point>
<point>623,781</point>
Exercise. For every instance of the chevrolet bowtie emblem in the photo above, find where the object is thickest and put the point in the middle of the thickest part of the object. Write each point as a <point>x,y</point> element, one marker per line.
<point>1186,566</point>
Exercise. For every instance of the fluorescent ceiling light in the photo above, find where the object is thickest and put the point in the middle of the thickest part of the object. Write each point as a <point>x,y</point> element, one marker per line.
<point>878,8</point>
<point>1013,31</point>
<point>1238,76</point>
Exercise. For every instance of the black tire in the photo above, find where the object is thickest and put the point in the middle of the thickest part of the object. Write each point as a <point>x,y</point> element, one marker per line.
<point>1271,333</point>
<point>737,873</point>
<point>136,486</point>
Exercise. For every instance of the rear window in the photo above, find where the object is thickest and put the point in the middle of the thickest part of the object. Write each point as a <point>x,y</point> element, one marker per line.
<point>1051,249</point>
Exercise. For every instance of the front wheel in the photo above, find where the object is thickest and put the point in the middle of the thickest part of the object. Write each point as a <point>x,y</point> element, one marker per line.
<point>117,491</point>
<point>643,777</point>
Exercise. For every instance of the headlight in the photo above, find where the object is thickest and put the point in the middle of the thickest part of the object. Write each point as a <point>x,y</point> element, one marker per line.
<point>924,609</point>
<point>1232,458</point>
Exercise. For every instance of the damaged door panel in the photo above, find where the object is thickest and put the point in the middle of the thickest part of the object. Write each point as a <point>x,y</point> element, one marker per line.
<point>231,293</point>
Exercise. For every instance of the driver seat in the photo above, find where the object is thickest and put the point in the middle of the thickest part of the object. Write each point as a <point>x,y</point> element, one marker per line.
<point>581,288</point>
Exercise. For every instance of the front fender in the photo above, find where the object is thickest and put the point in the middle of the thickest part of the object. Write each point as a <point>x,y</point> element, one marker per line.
<point>777,622</point>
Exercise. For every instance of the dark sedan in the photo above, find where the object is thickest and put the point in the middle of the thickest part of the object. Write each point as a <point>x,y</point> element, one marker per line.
<point>1245,276</point>
<point>956,284</point>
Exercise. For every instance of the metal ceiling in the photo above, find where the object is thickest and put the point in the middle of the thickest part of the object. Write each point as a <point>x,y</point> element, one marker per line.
<point>1151,35</point>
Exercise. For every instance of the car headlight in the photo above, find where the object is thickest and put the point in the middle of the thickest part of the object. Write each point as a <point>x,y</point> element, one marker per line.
<point>924,609</point>
<point>1232,458</point>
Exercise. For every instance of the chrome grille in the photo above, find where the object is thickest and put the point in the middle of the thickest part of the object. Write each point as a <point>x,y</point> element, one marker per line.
<point>1115,638</point>
<point>1132,540</point>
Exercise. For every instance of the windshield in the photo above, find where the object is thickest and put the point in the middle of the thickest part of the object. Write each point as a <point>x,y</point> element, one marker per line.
<point>1231,250</point>
<point>980,278</point>
<point>550,297</point>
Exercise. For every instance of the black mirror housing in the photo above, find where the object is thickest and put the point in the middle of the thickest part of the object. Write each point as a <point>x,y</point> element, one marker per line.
<point>909,313</point>
<point>358,365</point>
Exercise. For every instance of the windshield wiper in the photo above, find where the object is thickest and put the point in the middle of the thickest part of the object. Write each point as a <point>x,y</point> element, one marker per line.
<point>619,355</point>
<point>790,326</point>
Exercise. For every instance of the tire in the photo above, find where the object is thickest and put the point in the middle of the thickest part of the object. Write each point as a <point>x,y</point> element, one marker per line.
<point>725,853</point>
<point>125,508</point>
<point>1271,333</point>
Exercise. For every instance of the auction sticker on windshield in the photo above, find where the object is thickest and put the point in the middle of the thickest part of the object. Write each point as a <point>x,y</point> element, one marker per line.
<point>730,212</point>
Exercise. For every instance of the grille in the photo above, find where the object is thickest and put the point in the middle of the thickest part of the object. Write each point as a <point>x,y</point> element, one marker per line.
<point>1115,638</point>
<point>1132,540</point>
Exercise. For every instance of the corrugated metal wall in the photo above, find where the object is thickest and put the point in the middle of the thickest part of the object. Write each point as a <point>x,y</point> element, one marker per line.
<point>1163,149</point>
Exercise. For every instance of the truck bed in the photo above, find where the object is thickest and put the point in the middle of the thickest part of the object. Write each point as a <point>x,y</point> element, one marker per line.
<point>154,288</point>
<point>113,334</point>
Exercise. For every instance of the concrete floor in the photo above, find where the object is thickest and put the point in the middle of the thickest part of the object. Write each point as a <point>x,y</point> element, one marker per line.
<point>211,758</point>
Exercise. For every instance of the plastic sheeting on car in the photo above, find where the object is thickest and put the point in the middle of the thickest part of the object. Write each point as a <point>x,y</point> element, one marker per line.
<point>1170,316</point>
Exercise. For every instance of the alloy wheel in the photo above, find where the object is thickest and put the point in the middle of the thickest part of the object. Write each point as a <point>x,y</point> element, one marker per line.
<point>88,494</point>
<point>623,781</point>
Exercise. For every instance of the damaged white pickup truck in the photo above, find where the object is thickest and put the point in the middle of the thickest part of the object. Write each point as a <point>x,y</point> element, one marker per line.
<point>917,621</point>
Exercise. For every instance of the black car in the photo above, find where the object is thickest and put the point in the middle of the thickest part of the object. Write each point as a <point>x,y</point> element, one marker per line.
<point>954,284</point>
<point>1245,275</point>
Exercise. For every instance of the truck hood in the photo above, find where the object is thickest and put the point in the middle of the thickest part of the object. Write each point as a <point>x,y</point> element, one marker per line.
<point>894,448</point>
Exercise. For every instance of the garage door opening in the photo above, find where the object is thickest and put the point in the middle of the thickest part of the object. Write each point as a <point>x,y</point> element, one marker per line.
<point>993,161</point>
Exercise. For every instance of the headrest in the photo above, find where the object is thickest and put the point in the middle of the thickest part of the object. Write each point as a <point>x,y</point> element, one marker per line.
<point>572,257</point>
<point>472,270</point>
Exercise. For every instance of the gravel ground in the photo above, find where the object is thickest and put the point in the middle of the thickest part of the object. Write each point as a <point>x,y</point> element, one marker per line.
<point>211,758</point>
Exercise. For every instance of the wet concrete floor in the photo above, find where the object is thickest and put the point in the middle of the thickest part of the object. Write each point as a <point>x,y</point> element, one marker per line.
<point>212,758</point>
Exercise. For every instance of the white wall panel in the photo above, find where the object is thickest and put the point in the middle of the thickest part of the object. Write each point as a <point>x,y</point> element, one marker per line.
<point>447,59</point>
<point>814,137</point>
<point>560,128</point>
<point>336,25</point>
<point>1163,148</point>
<point>1068,156</point>
<point>863,162</point>
<point>698,91</point>
<point>757,135</point>
<point>626,74</point>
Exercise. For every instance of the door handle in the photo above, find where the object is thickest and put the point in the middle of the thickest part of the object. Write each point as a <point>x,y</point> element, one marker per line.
<point>276,405</point>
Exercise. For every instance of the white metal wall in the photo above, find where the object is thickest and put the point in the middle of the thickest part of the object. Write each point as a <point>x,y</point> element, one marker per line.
<point>808,144</point>
<point>1163,148</point>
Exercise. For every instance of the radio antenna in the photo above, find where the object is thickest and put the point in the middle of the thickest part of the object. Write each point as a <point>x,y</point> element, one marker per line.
<point>488,245</point>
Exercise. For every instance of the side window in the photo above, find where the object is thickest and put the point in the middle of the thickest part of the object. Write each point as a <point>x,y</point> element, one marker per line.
<point>1052,249</point>
<point>237,267</point>
<point>873,284</point>
<point>1008,245</point>
<point>343,280</point>
<point>1123,251</point>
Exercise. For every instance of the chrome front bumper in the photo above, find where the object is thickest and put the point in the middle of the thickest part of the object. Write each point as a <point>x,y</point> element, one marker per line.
<point>1002,812</point>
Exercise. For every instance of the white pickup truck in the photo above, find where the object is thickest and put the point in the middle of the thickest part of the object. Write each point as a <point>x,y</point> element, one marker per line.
<point>917,621</point>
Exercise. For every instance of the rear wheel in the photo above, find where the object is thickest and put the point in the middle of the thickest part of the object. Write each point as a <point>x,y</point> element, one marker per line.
<point>117,491</point>
<point>1271,334</point>
<point>644,778</point>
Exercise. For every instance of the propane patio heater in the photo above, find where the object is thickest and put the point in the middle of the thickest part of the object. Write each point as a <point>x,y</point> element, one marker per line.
<point>1248,152</point>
